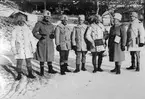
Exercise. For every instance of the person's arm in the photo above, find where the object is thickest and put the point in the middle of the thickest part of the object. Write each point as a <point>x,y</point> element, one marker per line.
<point>57,36</point>
<point>123,38</point>
<point>52,35</point>
<point>36,31</point>
<point>13,41</point>
<point>141,35</point>
<point>89,36</point>
<point>73,37</point>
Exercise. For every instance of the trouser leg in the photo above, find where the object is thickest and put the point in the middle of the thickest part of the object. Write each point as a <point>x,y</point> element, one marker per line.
<point>118,66</point>
<point>94,55</point>
<point>83,60</point>
<point>50,68</point>
<point>78,58</point>
<point>29,67</point>
<point>138,61</point>
<point>66,61</point>
<point>41,68</point>
<point>19,69</point>
<point>100,58</point>
<point>132,53</point>
<point>62,62</point>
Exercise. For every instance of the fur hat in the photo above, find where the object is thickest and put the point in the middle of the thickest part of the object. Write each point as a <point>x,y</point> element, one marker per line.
<point>81,17</point>
<point>46,13</point>
<point>117,16</point>
<point>134,14</point>
<point>64,17</point>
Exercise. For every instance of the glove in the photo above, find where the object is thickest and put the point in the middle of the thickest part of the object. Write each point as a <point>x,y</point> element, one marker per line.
<point>74,48</point>
<point>58,48</point>
<point>42,38</point>
<point>123,48</point>
<point>141,44</point>
<point>51,36</point>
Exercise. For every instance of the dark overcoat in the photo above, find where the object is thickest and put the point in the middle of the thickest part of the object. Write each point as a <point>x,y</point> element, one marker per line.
<point>115,52</point>
<point>45,45</point>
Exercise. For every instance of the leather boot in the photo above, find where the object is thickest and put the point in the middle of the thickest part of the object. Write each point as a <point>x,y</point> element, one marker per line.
<point>138,67</point>
<point>77,68</point>
<point>41,70</point>
<point>30,75</point>
<point>132,66</point>
<point>62,69</point>
<point>83,67</point>
<point>51,70</point>
<point>19,77</point>
<point>66,69</point>
<point>99,65</point>
<point>114,70</point>
<point>118,69</point>
<point>95,68</point>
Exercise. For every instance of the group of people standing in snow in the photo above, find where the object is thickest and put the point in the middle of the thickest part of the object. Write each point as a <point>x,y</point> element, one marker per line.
<point>82,38</point>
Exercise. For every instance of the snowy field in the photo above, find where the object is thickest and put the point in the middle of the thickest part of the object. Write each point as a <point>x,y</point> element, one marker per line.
<point>83,85</point>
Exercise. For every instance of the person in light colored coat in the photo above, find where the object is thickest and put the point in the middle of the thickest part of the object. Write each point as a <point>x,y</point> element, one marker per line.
<point>23,45</point>
<point>63,43</point>
<point>44,32</point>
<point>79,43</point>
<point>94,33</point>
<point>135,40</point>
<point>117,42</point>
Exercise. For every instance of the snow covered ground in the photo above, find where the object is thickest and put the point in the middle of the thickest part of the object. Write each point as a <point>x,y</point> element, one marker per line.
<point>83,85</point>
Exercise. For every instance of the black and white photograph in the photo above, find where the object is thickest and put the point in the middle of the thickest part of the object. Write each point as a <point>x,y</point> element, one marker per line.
<point>72,49</point>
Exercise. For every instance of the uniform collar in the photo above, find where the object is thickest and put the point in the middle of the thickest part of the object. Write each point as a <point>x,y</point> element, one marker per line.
<point>62,26</point>
<point>45,23</point>
<point>135,21</point>
<point>81,26</point>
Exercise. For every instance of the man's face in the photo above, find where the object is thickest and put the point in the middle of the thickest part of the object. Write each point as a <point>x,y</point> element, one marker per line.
<point>116,21</point>
<point>64,22</point>
<point>80,21</point>
<point>47,18</point>
<point>132,18</point>
<point>21,20</point>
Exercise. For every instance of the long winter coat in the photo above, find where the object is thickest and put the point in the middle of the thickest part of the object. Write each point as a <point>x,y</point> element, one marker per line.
<point>45,47</point>
<point>94,32</point>
<point>23,44</point>
<point>135,35</point>
<point>78,37</point>
<point>115,52</point>
<point>63,36</point>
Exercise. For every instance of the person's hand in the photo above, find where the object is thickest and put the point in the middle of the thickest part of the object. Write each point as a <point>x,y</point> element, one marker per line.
<point>141,44</point>
<point>123,48</point>
<point>58,48</point>
<point>42,38</point>
<point>51,36</point>
<point>74,48</point>
<point>93,44</point>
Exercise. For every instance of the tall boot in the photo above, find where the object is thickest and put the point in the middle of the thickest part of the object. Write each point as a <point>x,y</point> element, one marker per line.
<point>51,70</point>
<point>132,65</point>
<point>95,68</point>
<point>41,70</point>
<point>118,69</point>
<point>66,69</point>
<point>30,75</point>
<point>138,67</point>
<point>62,69</point>
<point>83,67</point>
<point>114,70</point>
<point>77,68</point>
<point>99,64</point>
<point>19,77</point>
